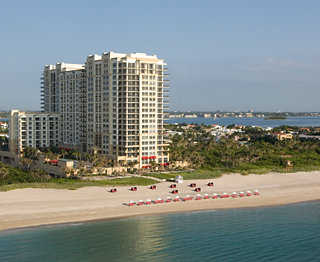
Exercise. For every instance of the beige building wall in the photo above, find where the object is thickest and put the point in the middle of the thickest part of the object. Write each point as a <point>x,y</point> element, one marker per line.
<point>32,129</point>
<point>64,91</point>
<point>113,105</point>
<point>126,96</point>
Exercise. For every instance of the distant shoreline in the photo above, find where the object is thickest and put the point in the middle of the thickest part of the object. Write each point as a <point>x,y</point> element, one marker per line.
<point>34,207</point>
<point>303,121</point>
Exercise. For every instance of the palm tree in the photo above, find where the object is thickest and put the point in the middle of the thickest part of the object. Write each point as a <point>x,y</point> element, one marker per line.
<point>27,162</point>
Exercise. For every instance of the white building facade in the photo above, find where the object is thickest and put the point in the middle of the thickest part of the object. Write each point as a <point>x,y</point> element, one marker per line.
<point>33,129</point>
<point>113,105</point>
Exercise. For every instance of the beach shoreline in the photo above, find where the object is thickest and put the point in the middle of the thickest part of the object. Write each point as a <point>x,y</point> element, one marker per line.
<point>71,223</point>
<point>25,208</point>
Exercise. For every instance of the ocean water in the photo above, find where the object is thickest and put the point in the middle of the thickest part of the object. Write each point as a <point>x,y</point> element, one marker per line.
<point>249,121</point>
<point>283,233</point>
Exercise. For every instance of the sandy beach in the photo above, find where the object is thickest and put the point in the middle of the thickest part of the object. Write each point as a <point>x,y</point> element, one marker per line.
<point>32,207</point>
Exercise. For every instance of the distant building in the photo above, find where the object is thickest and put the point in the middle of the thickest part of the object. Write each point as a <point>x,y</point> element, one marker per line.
<point>282,136</point>
<point>216,127</point>
<point>113,105</point>
<point>304,130</point>
<point>191,116</point>
<point>308,137</point>
<point>207,115</point>
<point>176,116</point>
<point>33,129</point>
<point>4,125</point>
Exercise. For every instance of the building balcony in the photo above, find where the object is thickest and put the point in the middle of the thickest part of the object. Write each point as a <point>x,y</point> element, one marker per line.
<point>163,80</point>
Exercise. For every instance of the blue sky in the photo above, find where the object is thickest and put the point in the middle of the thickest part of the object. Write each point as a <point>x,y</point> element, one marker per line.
<point>226,55</point>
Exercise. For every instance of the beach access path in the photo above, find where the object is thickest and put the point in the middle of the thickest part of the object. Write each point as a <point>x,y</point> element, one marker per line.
<point>33,207</point>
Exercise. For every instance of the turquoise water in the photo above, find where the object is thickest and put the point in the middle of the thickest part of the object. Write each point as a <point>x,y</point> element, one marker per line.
<point>250,121</point>
<point>284,233</point>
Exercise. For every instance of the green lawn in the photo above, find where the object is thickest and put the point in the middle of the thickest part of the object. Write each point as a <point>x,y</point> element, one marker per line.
<point>207,174</point>
<point>75,184</point>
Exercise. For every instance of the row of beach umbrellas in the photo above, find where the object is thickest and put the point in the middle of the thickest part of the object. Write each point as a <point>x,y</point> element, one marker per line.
<point>197,197</point>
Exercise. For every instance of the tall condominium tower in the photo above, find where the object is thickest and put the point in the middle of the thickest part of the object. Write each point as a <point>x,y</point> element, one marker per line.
<point>64,91</point>
<point>113,105</point>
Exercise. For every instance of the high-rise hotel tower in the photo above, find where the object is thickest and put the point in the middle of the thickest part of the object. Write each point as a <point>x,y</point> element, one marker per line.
<point>112,105</point>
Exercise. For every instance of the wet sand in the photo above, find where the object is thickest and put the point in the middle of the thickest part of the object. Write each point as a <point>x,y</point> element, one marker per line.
<point>33,207</point>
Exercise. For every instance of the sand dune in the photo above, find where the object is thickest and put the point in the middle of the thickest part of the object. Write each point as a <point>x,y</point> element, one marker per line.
<point>31,207</point>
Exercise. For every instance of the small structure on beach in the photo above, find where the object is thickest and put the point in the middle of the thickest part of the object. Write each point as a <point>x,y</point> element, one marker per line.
<point>179,179</point>
<point>288,164</point>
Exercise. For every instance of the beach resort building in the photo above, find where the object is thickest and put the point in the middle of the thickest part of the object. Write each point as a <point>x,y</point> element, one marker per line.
<point>112,105</point>
<point>63,90</point>
<point>33,129</point>
<point>126,97</point>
